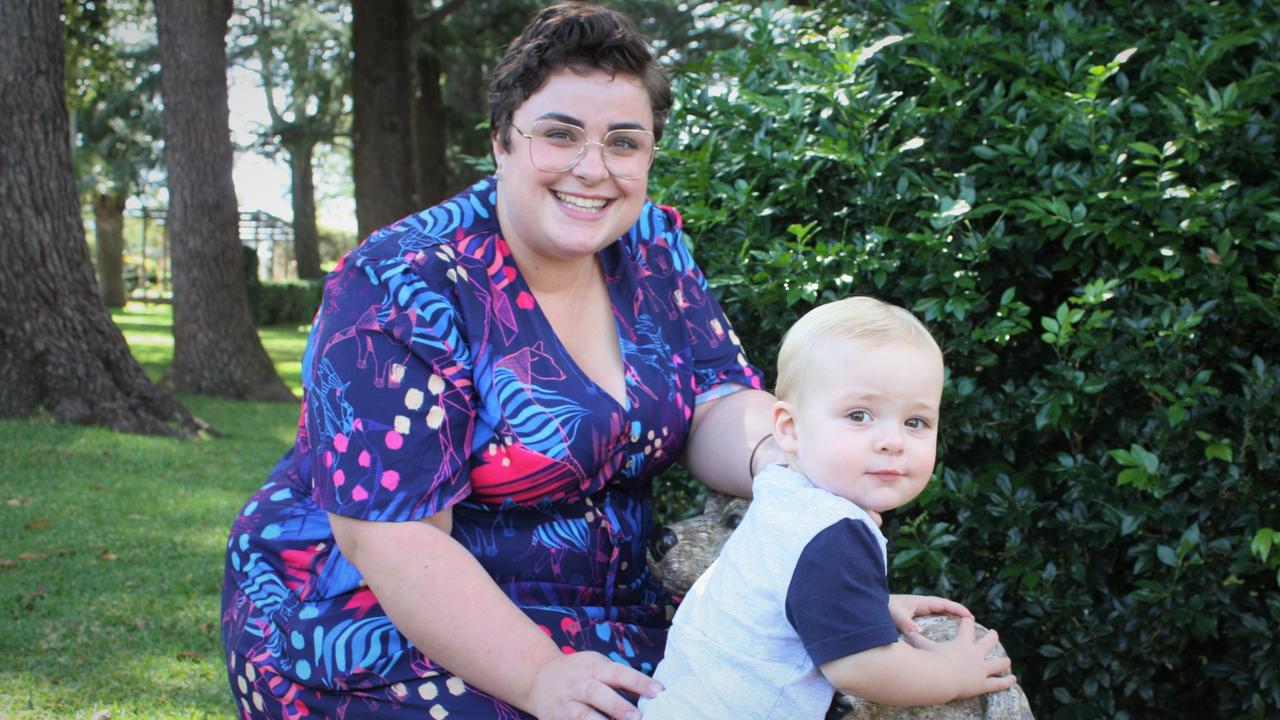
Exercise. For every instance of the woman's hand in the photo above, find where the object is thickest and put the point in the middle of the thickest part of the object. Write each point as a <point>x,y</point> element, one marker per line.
<point>441,598</point>
<point>905,608</point>
<point>584,685</point>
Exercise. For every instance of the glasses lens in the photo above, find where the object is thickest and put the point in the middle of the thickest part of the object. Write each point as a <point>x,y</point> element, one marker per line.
<point>555,146</point>
<point>628,153</point>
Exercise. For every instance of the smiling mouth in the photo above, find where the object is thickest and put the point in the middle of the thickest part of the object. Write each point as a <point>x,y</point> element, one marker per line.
<point>589,205</point>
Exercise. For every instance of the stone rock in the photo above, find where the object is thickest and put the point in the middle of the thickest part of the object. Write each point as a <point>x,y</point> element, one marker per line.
<point>678,554</point>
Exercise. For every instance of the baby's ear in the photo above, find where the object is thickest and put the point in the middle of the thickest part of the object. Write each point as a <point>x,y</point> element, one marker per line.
<point>784,427</point>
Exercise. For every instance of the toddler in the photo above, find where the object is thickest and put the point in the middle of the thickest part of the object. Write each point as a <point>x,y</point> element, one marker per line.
<point>797,605</point>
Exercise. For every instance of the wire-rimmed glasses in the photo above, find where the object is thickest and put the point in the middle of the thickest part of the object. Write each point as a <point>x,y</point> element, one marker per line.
<point>558,147</point>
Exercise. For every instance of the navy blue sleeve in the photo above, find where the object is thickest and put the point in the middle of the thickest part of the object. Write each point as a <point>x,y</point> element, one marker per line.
<point>838,598</point>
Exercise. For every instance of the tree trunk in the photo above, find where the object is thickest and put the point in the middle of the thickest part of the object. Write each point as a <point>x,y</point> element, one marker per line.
<point>306,239</point>
<point>61,351</point>
<point>429,131</point>
<point>216,349</point>
<point>382,126</point>
<point>108,222</point>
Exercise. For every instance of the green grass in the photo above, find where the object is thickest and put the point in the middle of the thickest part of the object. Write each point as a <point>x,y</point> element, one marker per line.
<point>111,548</point>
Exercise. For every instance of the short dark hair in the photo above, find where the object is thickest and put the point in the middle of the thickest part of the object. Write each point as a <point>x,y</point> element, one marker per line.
<point>578,35</point>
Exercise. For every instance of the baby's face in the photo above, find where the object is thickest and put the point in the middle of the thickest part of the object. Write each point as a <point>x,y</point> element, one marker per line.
<point>864,425</point>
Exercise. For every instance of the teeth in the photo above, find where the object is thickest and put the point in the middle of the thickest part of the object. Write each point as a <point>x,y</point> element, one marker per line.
<point>578,202</point>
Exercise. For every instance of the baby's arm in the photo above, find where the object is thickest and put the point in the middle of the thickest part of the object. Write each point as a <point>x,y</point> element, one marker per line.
<point>921,671</point>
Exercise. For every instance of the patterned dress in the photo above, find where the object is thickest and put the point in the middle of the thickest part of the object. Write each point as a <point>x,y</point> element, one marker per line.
<point>432,380</point>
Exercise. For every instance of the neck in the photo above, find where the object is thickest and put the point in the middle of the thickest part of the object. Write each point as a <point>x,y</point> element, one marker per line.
<point>555,276</point>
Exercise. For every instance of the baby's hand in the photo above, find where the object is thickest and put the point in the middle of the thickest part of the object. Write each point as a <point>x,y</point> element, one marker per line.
<point>905,608</point>
<point>971,670</point>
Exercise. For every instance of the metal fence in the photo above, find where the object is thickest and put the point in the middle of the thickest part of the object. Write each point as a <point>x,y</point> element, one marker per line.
<point>148,261</point>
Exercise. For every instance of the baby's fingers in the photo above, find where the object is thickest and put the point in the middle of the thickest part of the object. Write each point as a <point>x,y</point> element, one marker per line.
<point>989,641</point>
<point>917,640</point>
<point>998,666</point>
<point>999,684</point>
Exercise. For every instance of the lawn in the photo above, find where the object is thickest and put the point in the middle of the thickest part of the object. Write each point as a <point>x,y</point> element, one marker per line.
<point>111,548</point>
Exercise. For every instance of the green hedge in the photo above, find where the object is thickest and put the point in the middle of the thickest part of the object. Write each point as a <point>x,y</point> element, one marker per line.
<point>276,303</point>
<point>294,302</point>
<point>1082,201</point>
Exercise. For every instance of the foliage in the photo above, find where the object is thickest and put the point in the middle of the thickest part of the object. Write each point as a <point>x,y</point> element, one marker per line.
<point>285,303</point>
<point>111,548</point>
<point>113,95</point>
<point>292,302</point>
<point>469,41</point>
<point>301,53</point>
<point>1081,200</point>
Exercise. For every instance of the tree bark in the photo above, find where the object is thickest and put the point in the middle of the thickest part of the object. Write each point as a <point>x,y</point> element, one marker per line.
<point>430,133</point>
<point>382,126</point>
<point>216,348</point>
<point>108,222</point>
<point>306,238</point>
<point>61,351</point>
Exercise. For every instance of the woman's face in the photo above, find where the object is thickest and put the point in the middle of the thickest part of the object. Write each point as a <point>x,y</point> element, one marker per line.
<point>558,216</point>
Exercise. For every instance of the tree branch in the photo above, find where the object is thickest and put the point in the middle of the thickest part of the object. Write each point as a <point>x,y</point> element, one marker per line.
<point>435,16</point>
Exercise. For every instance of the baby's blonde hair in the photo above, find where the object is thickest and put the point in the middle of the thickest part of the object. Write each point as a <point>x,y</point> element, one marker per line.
<point>854,318</point>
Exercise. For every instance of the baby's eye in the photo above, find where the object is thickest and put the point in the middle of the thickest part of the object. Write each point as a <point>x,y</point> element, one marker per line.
<point>918,424</point>
<point>859,416</point>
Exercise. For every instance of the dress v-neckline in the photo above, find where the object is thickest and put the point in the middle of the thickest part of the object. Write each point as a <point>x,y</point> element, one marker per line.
<point>522,286</point>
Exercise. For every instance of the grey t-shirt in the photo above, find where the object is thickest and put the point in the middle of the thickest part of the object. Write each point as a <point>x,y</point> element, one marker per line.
<point>801,582</point>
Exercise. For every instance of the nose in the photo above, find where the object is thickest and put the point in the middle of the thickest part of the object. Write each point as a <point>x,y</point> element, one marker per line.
<point>662,541</point>
<point>591,167</point>
<point>889,440</point>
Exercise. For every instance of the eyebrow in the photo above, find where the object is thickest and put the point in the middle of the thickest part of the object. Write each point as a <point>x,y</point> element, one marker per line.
<point>571,120</point>
<point>913,405</point>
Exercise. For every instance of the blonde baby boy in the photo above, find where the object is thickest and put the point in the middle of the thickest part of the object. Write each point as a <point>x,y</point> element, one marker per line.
<point>797,605</point>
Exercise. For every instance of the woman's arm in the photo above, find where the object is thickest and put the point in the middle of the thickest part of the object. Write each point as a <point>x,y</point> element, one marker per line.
<point>722,435</point>
<point>443,601</point>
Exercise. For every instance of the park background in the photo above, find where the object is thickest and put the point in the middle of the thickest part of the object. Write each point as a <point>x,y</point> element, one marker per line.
<point>1081,199</point>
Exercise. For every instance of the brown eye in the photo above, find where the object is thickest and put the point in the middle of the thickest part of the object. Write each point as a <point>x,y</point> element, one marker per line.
<point>732,520</point>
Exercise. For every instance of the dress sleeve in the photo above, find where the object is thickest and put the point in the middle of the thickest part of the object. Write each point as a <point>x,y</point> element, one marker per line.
<point>838,597</point>
<point>389,403</point>
<point>719,364</point>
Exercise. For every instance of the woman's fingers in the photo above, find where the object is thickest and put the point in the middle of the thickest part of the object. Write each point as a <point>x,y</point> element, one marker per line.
<point>622,677</point>
<point>586,685</point>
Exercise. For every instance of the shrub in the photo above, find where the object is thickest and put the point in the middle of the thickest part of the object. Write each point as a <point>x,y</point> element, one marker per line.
<point>275,303</point>
<point>293,302</point>
<point>1081,200</point>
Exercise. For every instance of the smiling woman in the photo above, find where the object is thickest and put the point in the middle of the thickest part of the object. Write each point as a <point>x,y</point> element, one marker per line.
<point>489,390</point>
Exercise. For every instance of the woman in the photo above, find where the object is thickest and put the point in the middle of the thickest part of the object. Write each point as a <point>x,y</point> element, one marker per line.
<point>490,387</point>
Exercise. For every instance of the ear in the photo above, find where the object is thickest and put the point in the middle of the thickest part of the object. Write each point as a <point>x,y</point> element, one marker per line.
<point>499,153</point>
<point>785,432</point>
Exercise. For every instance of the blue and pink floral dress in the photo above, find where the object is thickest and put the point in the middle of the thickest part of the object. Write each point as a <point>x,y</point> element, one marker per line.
<point>432,380</point>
